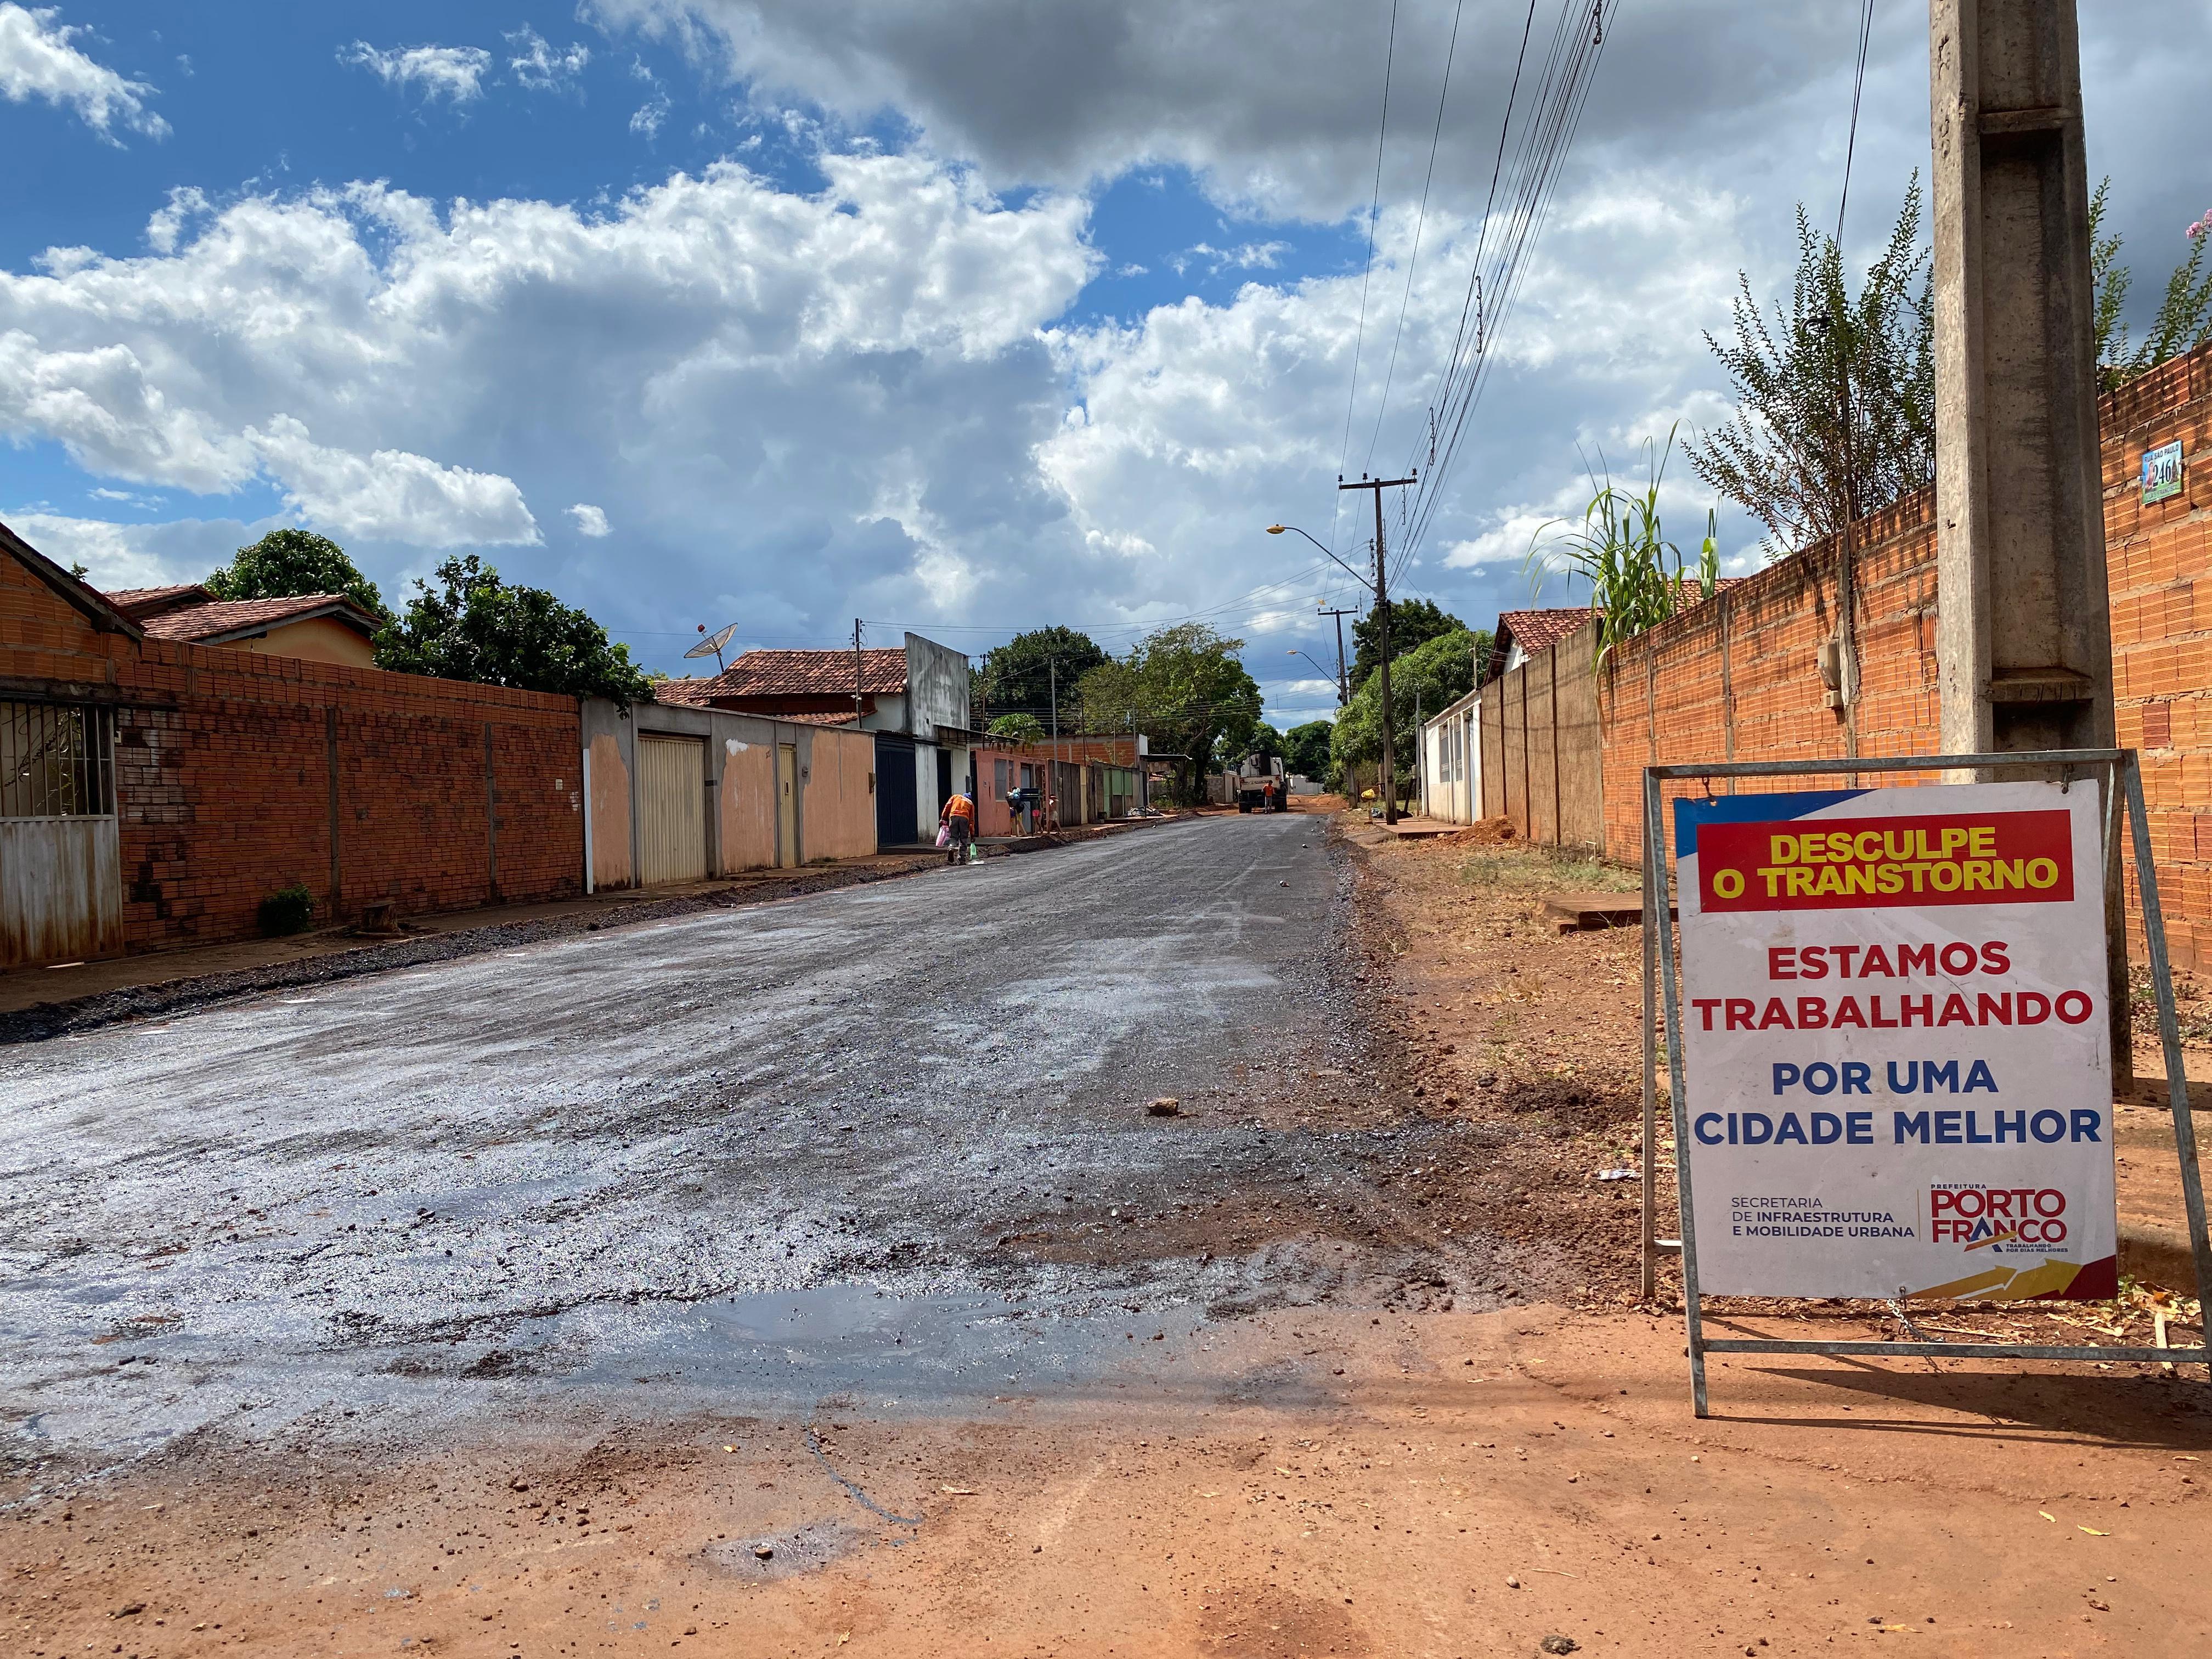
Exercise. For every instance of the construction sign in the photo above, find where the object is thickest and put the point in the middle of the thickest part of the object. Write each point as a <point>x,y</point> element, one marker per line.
<point>1897,1048</point>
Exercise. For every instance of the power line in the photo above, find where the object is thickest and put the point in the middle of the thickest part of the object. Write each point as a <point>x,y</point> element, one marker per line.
<point>1851,144</point>
<point>1374,212</point>
<point>1420,219</point>
<point>1544,136</point>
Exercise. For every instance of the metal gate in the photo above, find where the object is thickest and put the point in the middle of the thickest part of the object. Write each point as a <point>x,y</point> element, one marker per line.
<point>896,805</point>
<point>672,809</point>
<point>61,866</point>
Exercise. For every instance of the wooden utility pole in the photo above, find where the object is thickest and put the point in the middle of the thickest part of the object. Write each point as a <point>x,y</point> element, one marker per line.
<point>2023,630</point>
<point>1382,638</point>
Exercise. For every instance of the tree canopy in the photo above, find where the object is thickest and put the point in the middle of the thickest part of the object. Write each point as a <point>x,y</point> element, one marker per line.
<point>1017,677</point>
<point>1183,687</point>
<point>1783,456</point>
<point>472,626</point>
<point>285,563</point>
<point>1426,679</point>
<point>1412,623</point>
<point>1021,728</point>
<point>1305,748</point>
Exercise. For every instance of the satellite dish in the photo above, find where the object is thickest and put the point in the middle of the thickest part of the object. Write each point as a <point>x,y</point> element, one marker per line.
<point>712,644</point>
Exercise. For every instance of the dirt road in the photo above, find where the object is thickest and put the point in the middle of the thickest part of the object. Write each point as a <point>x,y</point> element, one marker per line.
<point>820,1284</point>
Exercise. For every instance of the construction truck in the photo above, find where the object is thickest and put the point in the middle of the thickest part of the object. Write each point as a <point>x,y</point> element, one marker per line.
<point>1260,784</point>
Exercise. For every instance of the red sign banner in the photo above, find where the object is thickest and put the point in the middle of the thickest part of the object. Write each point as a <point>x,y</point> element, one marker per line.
<point>1851,864</point>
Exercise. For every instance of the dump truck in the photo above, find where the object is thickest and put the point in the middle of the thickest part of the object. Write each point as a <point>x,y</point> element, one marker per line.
<point>1260,784</point>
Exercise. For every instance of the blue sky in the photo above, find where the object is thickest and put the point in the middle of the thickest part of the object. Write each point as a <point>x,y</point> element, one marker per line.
<point>965,318</point>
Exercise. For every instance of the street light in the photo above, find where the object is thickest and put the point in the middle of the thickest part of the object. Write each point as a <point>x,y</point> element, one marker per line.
<point>1324,673</point>
<point>1278,529</point>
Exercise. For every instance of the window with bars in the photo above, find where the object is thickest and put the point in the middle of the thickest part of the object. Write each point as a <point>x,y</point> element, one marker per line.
<point>55,761</point>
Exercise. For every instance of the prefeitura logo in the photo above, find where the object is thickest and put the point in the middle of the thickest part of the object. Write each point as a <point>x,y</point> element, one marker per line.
<point>2002,1220</point>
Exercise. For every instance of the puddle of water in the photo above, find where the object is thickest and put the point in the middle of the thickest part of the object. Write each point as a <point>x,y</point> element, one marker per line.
<point>803,1344</point>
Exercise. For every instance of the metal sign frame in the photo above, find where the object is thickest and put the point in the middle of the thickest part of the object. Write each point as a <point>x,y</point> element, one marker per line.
<point>2124,787</point>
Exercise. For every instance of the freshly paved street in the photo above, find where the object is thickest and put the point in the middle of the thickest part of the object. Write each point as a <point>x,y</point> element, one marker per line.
<point>811,1278</point>
<point>893,1137</point>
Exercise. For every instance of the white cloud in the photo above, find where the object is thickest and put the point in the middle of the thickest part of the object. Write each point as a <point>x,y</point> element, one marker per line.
<point>38,61</point>
<point>392,495</point>
<point>590,520</point>
<point>119,555</point>
<point>453,73</point>
<point>538,67</point>
<point>646,120</point>
<point>408,373</point>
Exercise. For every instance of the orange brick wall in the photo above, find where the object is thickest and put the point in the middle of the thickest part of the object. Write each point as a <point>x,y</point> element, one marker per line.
<point>1738,678</point>
<point>224,762</point>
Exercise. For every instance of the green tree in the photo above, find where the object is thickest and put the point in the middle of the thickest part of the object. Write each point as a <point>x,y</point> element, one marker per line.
<point>1183,687</point>
<point>1784,456</point>
<point>285,563</point>
<point>472,626</point>
<point>1020,728</point>
<point>1413,622</point>
<point>1426,679</point>
<point>1305,748</point>
<point>1017,676</point>
<point>2184,321</point>
<point>1265,740</point>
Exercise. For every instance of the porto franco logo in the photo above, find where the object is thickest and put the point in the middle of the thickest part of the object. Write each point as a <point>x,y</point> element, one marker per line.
<point>2025,1219</point>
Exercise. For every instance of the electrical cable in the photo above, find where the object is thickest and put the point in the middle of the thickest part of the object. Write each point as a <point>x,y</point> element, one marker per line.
<point>1420,220</point>
<point>1546,135</point>
<point>1374,212</point>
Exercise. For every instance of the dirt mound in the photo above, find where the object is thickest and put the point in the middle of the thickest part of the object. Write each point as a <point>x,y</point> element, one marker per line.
<point>1490,832</point>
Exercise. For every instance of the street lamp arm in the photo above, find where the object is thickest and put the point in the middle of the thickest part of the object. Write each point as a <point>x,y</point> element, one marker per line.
<point>1278,529</point>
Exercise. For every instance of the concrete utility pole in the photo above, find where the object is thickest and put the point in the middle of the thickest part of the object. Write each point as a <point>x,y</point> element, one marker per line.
<point>856,670</point>
<point>2023,628</point>
<point>1343,679</point>
<point>1382,623</point>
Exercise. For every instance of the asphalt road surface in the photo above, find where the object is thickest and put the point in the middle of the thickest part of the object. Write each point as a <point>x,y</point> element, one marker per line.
<point>890,1141</point>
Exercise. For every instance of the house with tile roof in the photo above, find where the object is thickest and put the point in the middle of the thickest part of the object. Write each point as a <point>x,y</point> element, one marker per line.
<point>319,627</point>
<point>914,698</point>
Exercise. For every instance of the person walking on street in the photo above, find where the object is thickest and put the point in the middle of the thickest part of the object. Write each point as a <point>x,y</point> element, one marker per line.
<point>958,816</point>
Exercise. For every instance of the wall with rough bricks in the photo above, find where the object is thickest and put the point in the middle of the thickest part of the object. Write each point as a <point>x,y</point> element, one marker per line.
<point>1738,678</point>
<point>237,773</point>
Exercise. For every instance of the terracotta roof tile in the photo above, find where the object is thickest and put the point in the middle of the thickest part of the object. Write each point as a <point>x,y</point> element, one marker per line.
<point>219,617</point>
<point>1534,630</point>
<point>132,599</point>
<point>810,674</point>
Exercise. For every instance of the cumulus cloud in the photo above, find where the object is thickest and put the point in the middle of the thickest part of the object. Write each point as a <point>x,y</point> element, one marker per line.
<point>1086,89</point>
<point>858,375</point>
<point>453,73</point>
<point>590,520</point>
<point>392,495</point>
<point>119,556</point>
<point>37,60</point>
<point>538,67</point>
<point>884,396</point>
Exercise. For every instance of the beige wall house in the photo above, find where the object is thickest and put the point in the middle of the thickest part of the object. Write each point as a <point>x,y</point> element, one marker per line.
<point>318,627</point>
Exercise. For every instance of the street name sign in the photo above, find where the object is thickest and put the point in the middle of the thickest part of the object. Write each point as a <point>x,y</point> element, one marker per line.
<point>1897,1052</point>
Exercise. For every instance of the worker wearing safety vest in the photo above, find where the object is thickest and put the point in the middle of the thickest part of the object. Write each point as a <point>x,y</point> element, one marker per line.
<point>959,818</point>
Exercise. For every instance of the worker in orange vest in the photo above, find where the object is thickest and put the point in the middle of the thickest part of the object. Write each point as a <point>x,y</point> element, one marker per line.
<point>958,816</point>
